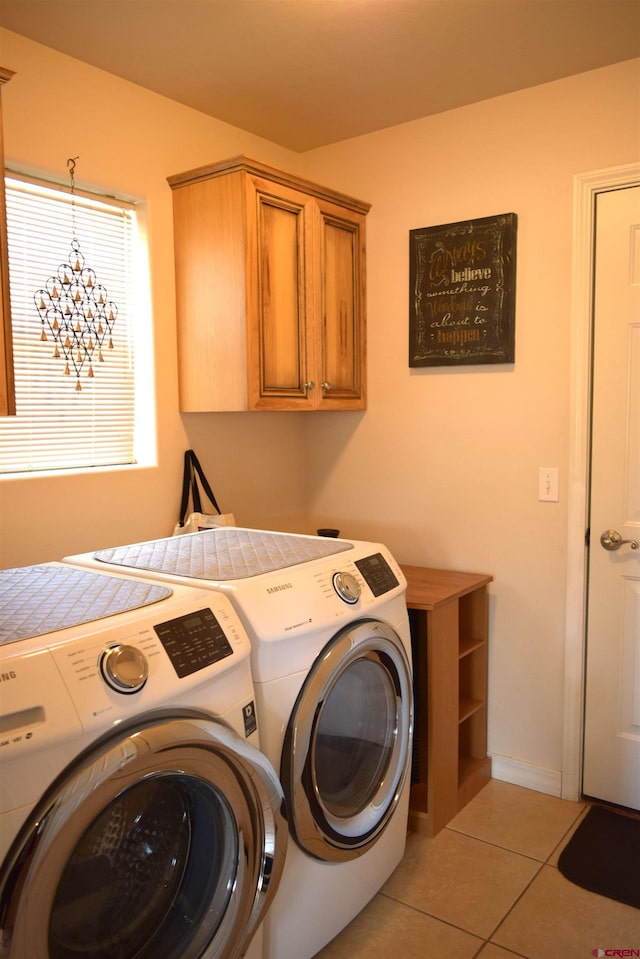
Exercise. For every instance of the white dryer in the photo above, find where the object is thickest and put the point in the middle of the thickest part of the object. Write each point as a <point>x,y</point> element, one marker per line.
<point>331,660</point>
<point>138,817</point>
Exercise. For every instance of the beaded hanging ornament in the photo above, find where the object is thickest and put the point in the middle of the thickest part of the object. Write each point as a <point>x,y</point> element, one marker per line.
<point>75,310</point>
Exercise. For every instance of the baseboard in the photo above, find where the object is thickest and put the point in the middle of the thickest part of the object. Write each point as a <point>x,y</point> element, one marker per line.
<point>525,774</point>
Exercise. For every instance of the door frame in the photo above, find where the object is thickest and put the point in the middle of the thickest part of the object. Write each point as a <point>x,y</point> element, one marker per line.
<point>586,188</point>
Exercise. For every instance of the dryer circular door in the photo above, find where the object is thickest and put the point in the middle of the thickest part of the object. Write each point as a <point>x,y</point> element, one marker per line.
<point>347,749</point>
<point>164,840</point>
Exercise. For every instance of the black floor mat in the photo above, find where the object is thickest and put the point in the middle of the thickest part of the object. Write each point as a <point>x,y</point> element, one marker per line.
<point>603,855</point>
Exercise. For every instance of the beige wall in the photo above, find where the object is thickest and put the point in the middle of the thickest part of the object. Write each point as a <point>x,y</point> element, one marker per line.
<point>128,141</point>
<point>443,467</point>
<point>443,464</point>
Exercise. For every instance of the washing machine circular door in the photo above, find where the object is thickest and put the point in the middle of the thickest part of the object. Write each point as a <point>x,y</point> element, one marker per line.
<point>163,841</point>
<point>347,748</point>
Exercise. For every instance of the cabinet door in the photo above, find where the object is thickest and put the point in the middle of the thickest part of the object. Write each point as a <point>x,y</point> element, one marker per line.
<point>341,320</point>
<point>210,258</point>
<point>278,346</point>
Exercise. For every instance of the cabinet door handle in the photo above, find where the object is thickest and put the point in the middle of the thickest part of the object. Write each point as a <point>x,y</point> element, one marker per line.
<point>309,385</point>
<point>326,386</point>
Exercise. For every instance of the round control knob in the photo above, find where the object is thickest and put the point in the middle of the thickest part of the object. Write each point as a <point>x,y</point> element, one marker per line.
<point>124,668</point>
<point>347,587</point>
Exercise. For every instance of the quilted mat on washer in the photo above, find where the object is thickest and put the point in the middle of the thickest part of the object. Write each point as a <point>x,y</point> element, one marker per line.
<point>41,599</point>
<point>223,553</point>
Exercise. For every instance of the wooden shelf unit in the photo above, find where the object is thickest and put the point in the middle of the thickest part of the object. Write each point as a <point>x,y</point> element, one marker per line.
<point>449,616</point>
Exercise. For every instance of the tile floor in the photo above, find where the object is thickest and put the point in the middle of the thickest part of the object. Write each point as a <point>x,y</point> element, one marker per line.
<point>488,886</point>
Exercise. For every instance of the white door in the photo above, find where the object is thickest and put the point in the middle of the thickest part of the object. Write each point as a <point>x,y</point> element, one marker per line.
<point>612,707</point>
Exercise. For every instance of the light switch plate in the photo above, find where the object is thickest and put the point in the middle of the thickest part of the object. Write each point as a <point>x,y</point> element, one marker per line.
<point>548,484</point>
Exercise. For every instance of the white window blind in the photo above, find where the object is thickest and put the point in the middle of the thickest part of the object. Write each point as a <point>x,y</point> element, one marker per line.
<point>56,426</point>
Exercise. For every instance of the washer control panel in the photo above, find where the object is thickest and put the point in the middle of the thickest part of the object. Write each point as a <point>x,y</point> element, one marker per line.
<point>193,641</point>
<point>84,678</point>
<point>124,668</point>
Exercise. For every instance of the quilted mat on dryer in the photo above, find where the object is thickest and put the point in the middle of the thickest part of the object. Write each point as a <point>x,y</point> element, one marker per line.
<point>222,554</point>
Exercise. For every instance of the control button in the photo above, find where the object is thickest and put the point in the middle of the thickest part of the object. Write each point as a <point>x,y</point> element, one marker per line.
<point>124,668</point>
<point>347,587</point>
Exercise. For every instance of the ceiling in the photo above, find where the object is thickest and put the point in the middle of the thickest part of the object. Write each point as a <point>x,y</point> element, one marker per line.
<point>306,73</point>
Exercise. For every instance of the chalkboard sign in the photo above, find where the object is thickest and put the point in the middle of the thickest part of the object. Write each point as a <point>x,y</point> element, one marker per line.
<point>462,292</point>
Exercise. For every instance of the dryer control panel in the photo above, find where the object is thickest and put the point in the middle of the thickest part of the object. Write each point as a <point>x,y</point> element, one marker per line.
<point>347,587</point>
<point>377,574</point>
<point>323,594</point>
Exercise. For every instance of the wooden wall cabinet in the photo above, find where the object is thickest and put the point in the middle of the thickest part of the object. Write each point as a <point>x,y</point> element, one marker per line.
<point>449,617</point>
<point>270,291</point>
<point>7,388</point>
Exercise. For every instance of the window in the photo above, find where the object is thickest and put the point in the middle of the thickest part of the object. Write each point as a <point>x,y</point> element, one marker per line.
<point>62,423</point>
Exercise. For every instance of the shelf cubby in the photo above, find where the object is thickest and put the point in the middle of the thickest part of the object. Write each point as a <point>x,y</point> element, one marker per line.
<point>448,616</point>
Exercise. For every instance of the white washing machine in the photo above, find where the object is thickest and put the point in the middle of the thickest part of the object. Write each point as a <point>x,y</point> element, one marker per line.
<point>331,660</point>
<point>138,817</point>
